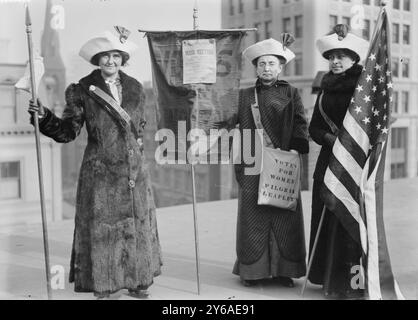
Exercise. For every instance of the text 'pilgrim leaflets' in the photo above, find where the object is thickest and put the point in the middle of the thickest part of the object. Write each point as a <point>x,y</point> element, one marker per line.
<point>280,179</point>
<point>199,61</point>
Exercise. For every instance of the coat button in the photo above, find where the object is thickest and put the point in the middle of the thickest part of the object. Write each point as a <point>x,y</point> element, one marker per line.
<point>131,152</point>
<point>131,184</point>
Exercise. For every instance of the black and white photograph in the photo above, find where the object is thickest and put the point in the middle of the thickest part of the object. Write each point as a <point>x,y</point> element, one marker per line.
<point>227,152</point>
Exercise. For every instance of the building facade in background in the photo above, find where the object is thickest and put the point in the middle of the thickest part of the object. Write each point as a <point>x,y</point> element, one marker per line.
<point>308,20</point>
<point>19,186</point>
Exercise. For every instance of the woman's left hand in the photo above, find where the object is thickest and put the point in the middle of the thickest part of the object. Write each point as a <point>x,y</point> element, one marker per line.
<point>293,151</point>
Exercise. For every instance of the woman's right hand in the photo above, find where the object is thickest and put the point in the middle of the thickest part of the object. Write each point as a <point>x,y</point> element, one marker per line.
<point>38,107</point>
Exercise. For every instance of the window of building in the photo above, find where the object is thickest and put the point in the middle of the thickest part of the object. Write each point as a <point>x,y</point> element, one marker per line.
<point>377,3</point>
<point>333,21</point>
<point>256,5</point>
<point>10,184</point>
<point>407,5</point>
<point>366,29</point>
<point>395,67</point>
<point>257,32</point>
<point>366,2</point>
<point>267,29</point>
<point>347,21</point>
<point>8,112</point>
<point>299,26</point>
<point>287,25</point>
<point>286,69</point>
<point>406,34</point>
<point>231,7</point>
<point>395,102</point>
<point>240,6</point>
<point>395,33</point>
<point>399,144</point>
<point>267,3</point>
<point>298,65</point>
<point>405,68</point>
<point>405,102</point>
<point>396,4</point>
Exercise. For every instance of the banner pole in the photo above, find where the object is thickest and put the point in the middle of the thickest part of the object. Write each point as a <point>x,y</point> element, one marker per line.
<point>196,233</point>
<point>39,154</point>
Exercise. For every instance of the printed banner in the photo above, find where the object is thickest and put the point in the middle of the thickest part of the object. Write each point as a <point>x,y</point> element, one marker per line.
<point>186,99</point>
<point>199,61</point>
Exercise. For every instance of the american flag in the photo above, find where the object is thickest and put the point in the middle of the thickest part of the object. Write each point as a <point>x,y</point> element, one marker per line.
<point>353,183</point>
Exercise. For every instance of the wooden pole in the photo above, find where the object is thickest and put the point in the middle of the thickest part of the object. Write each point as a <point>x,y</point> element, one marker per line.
<point>321,222</point>
<point>39,154</point>
<point>196,233</point>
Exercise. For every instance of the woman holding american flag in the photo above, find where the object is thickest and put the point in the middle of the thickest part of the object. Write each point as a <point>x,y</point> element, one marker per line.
<point>336,253</point>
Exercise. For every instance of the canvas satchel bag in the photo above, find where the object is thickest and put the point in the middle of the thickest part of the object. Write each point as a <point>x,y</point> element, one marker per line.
<point>279,184</point>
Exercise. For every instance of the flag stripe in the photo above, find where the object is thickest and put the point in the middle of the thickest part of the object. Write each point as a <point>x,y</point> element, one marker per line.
<point>351,144</point>
<point>357,132</point>
<point>347,160</point>
<point>387,281</point>
<point>345,178</point>
<point>343,205</point>
<point>373,271</point>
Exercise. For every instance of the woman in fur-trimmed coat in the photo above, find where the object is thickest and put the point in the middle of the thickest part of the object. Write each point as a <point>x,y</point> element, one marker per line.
<point>116,242</point>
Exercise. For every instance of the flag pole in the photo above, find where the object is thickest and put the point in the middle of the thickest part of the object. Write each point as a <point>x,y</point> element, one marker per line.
<point>38,153</point>
<point>321,222</point>
<point>196,234</point>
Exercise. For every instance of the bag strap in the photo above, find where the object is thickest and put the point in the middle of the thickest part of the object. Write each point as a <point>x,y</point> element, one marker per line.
<point>255,109</point>
<point>330,123</point>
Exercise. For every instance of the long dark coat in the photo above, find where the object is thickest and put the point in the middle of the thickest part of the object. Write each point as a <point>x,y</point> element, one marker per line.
<point>283,118</point>
<point>336,252</point>
<point>116,242</point>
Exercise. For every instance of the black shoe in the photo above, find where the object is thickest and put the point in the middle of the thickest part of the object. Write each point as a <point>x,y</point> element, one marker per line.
<point>138,293</point>
<point>285,281</point>
<point>102,295</point>
<point>249,283</point>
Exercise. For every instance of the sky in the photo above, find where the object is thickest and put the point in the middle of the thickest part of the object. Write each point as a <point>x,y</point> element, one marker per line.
<point>86,19</point>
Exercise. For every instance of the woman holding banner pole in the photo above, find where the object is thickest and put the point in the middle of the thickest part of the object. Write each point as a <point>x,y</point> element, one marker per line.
<point>116,244</point>
<point>334,254</point>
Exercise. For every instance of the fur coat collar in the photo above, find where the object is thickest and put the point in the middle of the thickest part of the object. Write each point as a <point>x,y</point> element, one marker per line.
<point>131,89</point>
<point>345,82</point>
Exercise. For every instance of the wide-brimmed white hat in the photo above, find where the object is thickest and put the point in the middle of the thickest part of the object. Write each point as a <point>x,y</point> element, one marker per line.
<point>342,39</point>
<point>107,42</point>
<point>268,47</point>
